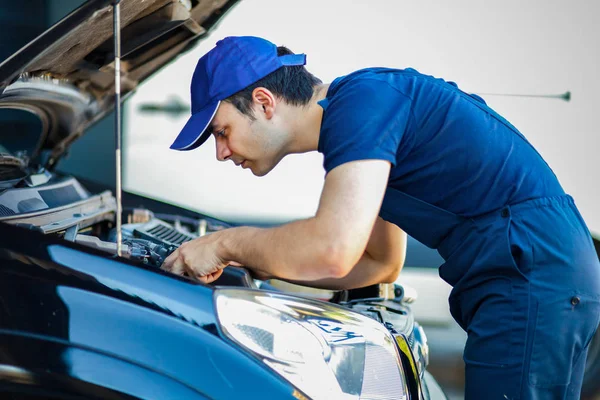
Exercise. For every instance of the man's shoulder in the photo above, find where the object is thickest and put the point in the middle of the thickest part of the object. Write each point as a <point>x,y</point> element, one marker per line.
<point>375,78</point>
<point>367,75</point>
<point>365,114</point>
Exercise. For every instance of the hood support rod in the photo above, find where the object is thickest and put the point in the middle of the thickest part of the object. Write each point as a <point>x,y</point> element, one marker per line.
<point>117,43</point>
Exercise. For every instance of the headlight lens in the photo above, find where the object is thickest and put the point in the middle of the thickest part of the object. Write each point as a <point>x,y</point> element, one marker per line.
<point>324,350</point>
<point>420,349</point>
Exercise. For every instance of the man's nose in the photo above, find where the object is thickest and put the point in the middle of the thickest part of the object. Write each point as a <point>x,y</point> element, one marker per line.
<point>223,152</point>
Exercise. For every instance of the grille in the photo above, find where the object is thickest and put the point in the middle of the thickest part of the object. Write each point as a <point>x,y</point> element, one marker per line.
<point>5,211</point>
<point>160,232</point>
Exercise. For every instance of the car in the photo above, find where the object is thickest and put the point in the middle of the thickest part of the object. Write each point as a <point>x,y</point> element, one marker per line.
<point>85,310</point>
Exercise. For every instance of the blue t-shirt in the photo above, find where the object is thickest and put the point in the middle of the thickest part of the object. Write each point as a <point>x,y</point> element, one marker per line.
<point>447,148</point>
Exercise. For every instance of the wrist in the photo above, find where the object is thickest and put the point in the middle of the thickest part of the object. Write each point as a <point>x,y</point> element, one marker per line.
<point>223,248</point>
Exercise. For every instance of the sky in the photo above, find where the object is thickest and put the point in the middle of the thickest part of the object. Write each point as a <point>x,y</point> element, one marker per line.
<point>509,47</point>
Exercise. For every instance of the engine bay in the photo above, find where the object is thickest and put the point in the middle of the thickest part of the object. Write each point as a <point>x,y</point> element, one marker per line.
<point>62,206</point>
<point>150,240</point>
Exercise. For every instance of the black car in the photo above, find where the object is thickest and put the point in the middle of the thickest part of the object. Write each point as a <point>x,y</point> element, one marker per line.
<point>85,312</point>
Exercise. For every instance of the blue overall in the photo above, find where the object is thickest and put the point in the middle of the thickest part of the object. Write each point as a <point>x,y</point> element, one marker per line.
<point>525,288</point>
<point>525,275</point>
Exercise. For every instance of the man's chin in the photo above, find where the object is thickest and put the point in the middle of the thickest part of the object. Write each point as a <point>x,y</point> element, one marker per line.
<point>264,167</point>
<point>258,171</point>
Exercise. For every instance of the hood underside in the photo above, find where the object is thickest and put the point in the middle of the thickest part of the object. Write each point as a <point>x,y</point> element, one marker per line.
<point>66,76</point>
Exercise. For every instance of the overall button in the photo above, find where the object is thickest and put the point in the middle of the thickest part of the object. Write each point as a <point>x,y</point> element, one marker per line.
<point>505,213</point>
<point>575,300</point>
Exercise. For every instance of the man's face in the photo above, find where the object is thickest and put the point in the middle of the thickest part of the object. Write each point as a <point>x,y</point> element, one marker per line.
<point>257,144</point>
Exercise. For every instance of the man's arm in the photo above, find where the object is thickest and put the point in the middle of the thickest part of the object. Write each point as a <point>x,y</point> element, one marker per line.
<point>328,245</point>
<point>381,262</point>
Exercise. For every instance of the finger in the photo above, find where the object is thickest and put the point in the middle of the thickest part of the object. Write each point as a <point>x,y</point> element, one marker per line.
<point>210,277</point>
<point>217,274</point>
<point>235,264</point>
<point>205,278</point>
<point>187,269</point>
<point>178,266</point>
<point>167,264</point>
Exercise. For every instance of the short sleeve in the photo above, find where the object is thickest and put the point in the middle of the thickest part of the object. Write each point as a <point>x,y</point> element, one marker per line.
<point>364,119</point>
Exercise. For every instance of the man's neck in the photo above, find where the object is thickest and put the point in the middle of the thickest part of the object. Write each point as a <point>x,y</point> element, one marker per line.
<point>306,125</point>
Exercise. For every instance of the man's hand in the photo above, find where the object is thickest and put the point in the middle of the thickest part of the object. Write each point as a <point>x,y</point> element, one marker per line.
<point>199,259</point>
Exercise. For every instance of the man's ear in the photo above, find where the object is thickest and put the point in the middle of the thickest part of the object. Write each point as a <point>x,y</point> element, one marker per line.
<point>264,101</point>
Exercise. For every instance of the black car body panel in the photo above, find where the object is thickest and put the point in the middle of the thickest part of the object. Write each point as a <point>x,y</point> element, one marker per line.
<point>59,299</point>
<point>53,369</point>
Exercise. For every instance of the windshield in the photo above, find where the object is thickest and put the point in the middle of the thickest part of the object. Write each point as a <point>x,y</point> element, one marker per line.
<point>20,132</point>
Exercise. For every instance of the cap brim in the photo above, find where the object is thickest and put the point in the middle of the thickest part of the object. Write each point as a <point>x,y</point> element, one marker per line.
<point>194,133</point>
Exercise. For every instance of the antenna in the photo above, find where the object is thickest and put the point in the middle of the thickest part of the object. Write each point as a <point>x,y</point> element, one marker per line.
<point>566,96</point>
<point>117,43</point>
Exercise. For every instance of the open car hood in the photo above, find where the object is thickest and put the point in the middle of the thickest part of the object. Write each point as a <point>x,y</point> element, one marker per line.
<point>66,75</point>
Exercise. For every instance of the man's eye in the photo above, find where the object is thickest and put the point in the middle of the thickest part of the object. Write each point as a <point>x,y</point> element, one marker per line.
<point>221,133</point>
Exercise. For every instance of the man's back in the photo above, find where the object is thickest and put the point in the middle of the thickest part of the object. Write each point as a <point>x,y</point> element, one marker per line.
<point>453,151</point>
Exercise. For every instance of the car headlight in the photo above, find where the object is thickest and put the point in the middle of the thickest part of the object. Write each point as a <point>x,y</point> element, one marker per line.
<point>420,349</point>
<point>326,351</point>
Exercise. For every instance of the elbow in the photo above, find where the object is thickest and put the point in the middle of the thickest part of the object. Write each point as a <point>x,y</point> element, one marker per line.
<point>337,261</point>
<point>395,266</point>
<point>393,272</point>
<point>338,271</point>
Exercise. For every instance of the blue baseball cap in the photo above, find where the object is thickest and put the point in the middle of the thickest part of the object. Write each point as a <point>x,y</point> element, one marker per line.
<point>235,63</point>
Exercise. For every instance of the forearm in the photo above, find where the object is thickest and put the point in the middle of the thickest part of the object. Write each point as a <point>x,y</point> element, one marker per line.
<point>367,271</point>
<point>381,262</point>
<point>298,250</point>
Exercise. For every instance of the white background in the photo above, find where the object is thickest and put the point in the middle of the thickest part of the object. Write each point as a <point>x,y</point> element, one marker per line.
<point>529,47</point>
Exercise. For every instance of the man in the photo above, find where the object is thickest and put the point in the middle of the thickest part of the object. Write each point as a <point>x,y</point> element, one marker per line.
<point>406,152</point>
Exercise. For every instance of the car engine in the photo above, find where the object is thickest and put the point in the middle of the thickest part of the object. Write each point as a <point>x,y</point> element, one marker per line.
<point>62,206</point>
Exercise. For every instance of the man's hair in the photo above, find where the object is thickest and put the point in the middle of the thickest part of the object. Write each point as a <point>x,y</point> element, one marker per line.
<point>294,84</point>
